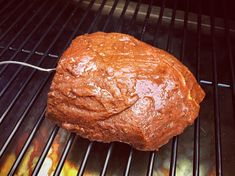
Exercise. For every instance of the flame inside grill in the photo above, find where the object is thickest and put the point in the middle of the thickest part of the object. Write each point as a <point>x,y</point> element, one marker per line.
<point>38,31</point>
<point>32,155</point>
<point>184,166</point>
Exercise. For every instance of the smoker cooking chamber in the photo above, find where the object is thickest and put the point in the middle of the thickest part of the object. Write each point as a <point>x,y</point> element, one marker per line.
<point>38,32</point>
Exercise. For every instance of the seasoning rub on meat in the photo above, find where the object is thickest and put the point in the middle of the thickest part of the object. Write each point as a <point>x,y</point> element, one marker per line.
<point>113,87</point>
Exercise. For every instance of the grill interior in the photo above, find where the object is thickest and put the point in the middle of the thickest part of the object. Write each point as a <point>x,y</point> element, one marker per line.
<point>37,32</point>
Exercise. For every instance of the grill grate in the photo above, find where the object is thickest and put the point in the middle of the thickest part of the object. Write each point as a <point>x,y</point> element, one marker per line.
<point>38,32</point>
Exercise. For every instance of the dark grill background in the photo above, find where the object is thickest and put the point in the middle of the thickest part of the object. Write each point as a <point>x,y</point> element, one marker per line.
<point>38,32</point>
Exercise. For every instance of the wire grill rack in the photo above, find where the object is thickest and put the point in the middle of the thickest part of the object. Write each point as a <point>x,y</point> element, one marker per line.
<point>39,31</point>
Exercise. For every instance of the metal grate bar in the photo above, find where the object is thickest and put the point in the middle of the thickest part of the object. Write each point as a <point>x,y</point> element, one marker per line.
<point>13,101</point>
<point>64,154</point>
<point>28,51</point>
<point>182,53</point>
<point>79,24</point>
<point>45,151</point>
<point>21,30</point>
<point>33,50</point>
<point>134,16</point>
<point>6,6</point>
<point>97,16</point>
<point>83,165</point>
<point>205,82</point>
<point>151,163</point>
<point>216,98</point>
<point>169,37</point>
<point>175,139</point>
<point>30,35</point>
<point>106,162</point>
<point>173,156</point>
<point>16,21</point>
<point>12,12</point>
<point>120,20</point>
<point>30,76</point>
<point>85,158</point>
<point>16,127</point>
<point>48,50</point>
<point>146,20</point>
<point>214,83</point>
<point>159,22</point>
<point>38,90</point>
<point>196,153</point>
<point>128,165</point>
<point>127,169</point>
<point>27,143</point>
<point>110,14</point>
<point>231,58</point>
<point>119,28</point>
<point>104,169</point>
<point>152,154</point>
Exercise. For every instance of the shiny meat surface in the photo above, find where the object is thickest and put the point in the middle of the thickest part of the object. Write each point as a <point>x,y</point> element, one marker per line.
<point>113,87</point>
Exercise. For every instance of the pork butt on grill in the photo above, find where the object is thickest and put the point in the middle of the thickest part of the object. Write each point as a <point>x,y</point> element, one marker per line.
<point>113,87</point>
